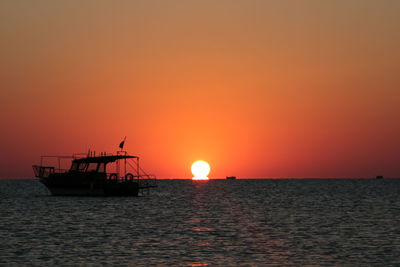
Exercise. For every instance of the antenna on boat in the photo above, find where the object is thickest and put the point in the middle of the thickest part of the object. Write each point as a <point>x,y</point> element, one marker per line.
<point>121,145</point>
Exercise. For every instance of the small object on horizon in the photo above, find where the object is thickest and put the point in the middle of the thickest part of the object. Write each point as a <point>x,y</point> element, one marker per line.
<point>231,177</point>
<point>379,177</point>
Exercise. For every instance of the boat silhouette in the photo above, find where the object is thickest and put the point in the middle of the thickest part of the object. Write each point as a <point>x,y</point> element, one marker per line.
<point>91,176</point>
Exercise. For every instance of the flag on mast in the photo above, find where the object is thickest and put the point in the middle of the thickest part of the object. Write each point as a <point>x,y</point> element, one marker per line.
<point>121,145</point>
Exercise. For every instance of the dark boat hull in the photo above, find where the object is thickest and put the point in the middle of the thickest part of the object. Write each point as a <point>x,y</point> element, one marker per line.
<point>107,190</point>
<point>76,185</point>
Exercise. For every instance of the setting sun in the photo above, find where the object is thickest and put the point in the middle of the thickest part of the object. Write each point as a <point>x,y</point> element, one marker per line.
<point>200,170</point>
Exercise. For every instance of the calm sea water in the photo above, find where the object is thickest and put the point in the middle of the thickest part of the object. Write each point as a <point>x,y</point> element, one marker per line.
<point>215,223</point>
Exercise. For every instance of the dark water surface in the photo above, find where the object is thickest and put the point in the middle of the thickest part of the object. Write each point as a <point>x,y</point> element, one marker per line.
<point>215,223</point>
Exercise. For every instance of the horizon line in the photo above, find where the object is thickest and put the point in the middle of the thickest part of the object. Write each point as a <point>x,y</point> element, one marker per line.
<point>246,178</point>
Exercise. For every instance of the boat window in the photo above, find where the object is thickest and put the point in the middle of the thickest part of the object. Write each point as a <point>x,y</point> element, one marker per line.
<point>82,167</point>
<point>102,167</point>
<point>74,166</point>
<point>92,167</point>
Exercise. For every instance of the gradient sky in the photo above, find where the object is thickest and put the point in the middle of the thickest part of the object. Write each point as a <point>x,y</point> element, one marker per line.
<point>255,88</point>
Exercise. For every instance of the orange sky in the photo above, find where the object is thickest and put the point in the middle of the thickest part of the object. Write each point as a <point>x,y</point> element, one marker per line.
<point>255,88</point>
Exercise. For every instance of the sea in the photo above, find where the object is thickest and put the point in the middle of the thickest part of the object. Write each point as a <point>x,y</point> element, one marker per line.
<point>263,222</point>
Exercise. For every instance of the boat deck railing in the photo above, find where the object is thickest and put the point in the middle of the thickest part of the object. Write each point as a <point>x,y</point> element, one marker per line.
<point>43,171</point>
<point>146,179</point>
<point>129,171</point>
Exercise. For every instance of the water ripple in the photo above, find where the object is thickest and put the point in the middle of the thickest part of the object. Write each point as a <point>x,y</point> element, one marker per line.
<point>214,223</point>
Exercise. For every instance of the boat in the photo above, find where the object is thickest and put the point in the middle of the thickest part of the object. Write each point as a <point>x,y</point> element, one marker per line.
<point>116,174</point>
<point>379,177</point>
<point>230,177</point>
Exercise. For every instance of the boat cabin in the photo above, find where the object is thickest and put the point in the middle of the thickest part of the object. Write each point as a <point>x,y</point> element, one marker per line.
<point>112,167</point>
<point>96,164</point>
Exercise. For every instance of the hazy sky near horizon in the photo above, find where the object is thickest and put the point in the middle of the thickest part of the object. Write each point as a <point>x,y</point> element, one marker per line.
<point>256,88</point>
